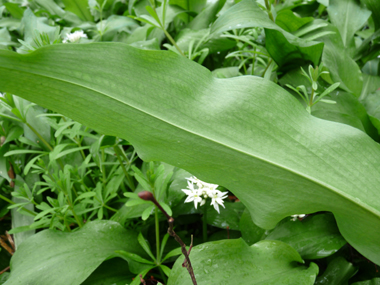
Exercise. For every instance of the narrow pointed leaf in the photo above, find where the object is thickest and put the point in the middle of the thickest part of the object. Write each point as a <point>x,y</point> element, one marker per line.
<point>244,133</point>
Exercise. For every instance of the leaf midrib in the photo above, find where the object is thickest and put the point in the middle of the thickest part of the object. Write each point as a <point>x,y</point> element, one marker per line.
<point>313,180</point>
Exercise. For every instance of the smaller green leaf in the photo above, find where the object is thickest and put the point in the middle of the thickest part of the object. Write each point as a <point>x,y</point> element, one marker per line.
<point>13,134</point>
<point>163,244</point>
<point>166,208</point>
<point>14,9</point>
<point>127,256</point>
<point>18,114</point>
<point>23,151</point>
<point>71,150</point>
<point>145,215</point>
<point>328,91</point>
<point>10,117</point>
<point>131,195</point>
<point>145,245</point>
<point>166,270</point>
<point>174,252</point>
<point>131,203</point>
<point>85,195</point>
<point>154,15</point>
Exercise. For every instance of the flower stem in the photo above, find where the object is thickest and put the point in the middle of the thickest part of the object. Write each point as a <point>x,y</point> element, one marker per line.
<point>205,224</point>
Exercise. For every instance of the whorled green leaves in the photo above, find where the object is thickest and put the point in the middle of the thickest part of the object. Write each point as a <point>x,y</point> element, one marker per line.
<point>234,262</point>
<point>54,257</point>
<point>245,133</point>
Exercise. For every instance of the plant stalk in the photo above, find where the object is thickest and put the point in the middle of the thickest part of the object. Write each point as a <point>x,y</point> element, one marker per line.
<point>11,202</point>
<point>39,136</point>
<point>148,196</point>
<point>173,41</point>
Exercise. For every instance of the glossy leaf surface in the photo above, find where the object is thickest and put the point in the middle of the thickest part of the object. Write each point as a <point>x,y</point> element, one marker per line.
<point>74,255</point>
<point>266,262</point>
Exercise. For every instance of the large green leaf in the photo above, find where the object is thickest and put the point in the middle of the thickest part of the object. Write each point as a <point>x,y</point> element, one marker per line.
<point>69,258</point>
<point>286,49</point>
<point>245,133</point>
<point>234,262</point>
<point>348,16</point>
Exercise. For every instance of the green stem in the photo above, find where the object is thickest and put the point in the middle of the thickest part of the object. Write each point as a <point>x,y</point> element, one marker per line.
<point>79,222</point>
<point>129,178</point>
<point>11,202</point>
<point>172,41</point>
<point>311,98</point>
<point>104,205</point>
<point>266,68</point>
<point>205,224</point>
<point>44,142</point>
<point>40,137</point>
<point>269,9</point>
<point>158,261</point>
<point>110,208</point>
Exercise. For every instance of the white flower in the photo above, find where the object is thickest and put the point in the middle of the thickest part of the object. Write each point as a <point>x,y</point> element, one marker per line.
<point>193,195</point>
<point>298,216</point>
<point>198,191</point>
<point>217,198</point>
<point>74,37</point>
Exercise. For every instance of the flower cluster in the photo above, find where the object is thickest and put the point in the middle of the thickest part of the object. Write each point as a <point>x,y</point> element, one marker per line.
<point>198,191</point>
<point>74,37</point>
